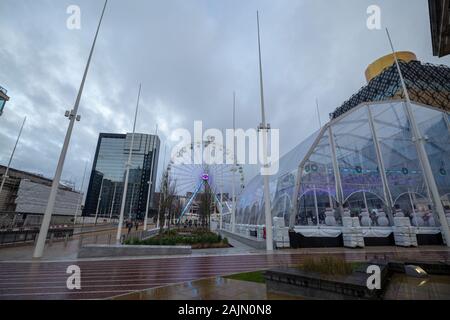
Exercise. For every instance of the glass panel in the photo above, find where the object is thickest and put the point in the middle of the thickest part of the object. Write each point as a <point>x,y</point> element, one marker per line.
<point>282,204</point>
<point>362,184</point>
<point>434,128</point>
<point>403,170</point>
<point>251,195</point>
<point>317,194</point>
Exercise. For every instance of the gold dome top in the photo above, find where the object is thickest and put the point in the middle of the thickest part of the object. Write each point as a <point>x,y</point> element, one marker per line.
<point>382,63</point>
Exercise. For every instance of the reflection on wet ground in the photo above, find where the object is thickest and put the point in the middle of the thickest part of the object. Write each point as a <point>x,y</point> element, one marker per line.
<point>216,288</point>
<point>402,287</point>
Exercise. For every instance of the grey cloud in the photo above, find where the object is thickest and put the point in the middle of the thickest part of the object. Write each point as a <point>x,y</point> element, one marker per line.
<point>189,55</point>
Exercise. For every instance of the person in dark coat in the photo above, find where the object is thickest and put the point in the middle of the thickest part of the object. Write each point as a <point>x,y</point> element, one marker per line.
<point>129,226</point>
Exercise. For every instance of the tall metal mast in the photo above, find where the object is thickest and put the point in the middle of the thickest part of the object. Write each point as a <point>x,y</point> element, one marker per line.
<point>73,116</point>
<point>5,175</point>
<point>127,172</point>
<point>264,128</point>
<point>233,195</point>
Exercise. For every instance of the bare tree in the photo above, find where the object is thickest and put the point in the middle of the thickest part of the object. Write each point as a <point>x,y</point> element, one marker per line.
<point>167,199</point>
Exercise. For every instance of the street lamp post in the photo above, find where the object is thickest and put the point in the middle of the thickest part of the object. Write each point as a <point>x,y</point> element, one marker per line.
<point>80,200</point>
<point>131,202</point>
<point>112,202</point>
<point>221,204</point>
<point>264,128</point>
<point>233,195</point>
<point>73,116</point>
<point>98,201</point>
<point>127,172</point>
<point>160,187</point>
<point>5,175</point>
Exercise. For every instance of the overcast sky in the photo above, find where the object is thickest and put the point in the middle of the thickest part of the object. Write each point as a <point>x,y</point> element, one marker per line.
<point>189,55</point>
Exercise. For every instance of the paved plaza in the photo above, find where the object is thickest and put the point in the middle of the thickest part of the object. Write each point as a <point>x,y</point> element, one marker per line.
<point>107,278</point>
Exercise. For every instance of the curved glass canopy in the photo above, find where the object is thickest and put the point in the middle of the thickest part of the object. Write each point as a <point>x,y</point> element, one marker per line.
<point>364,164</point>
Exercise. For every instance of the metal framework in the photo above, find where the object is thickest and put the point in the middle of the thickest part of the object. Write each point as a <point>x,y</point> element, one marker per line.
<point>426,83</point>
<point>429,179</point>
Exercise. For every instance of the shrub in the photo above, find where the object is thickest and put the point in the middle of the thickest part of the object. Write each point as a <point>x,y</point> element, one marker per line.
<point>327,265</point>
<point>204,238</point>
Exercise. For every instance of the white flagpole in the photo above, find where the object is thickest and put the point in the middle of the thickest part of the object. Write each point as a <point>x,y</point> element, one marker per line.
<point>318,113</point>
<point>40,244</point>
<point>264,128</point>
<point>233,195</point>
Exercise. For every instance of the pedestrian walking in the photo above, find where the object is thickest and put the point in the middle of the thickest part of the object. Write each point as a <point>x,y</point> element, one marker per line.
<point>129,226</point>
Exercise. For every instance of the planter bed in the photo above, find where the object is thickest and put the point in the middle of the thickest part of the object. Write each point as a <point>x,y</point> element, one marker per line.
<point>313,285</point>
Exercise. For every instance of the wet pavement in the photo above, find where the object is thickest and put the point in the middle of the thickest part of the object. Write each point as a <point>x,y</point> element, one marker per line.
<point>403,287</point>
<point>217,288</point>
<point>105,278</point>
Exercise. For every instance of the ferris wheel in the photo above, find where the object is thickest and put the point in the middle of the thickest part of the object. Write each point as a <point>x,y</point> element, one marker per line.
<point>191,172</point>
<point>188,172</point>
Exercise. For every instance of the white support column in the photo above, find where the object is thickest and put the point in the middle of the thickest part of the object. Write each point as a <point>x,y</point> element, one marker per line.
<point>420,142</point>
<point>337,173</point>
<point>381,167</point>
<point>316,207</point>
<point>294,210</point>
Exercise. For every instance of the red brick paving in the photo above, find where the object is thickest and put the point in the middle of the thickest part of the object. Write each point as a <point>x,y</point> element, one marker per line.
<point>107,278</point>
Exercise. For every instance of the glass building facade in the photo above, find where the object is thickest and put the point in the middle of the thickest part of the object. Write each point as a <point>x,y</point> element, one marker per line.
<point>364,163</point>
<point>106,183</point>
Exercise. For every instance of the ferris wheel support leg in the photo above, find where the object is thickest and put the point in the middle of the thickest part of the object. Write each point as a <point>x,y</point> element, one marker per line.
<point>188,205</point>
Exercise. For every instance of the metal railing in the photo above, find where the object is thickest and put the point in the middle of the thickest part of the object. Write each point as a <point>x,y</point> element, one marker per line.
<point>110,238</point>
<point>29,235</point>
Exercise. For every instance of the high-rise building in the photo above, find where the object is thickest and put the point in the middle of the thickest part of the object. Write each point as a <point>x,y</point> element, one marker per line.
<point>3,99</point>
<point>440,26</point>
<point>106,184</point>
